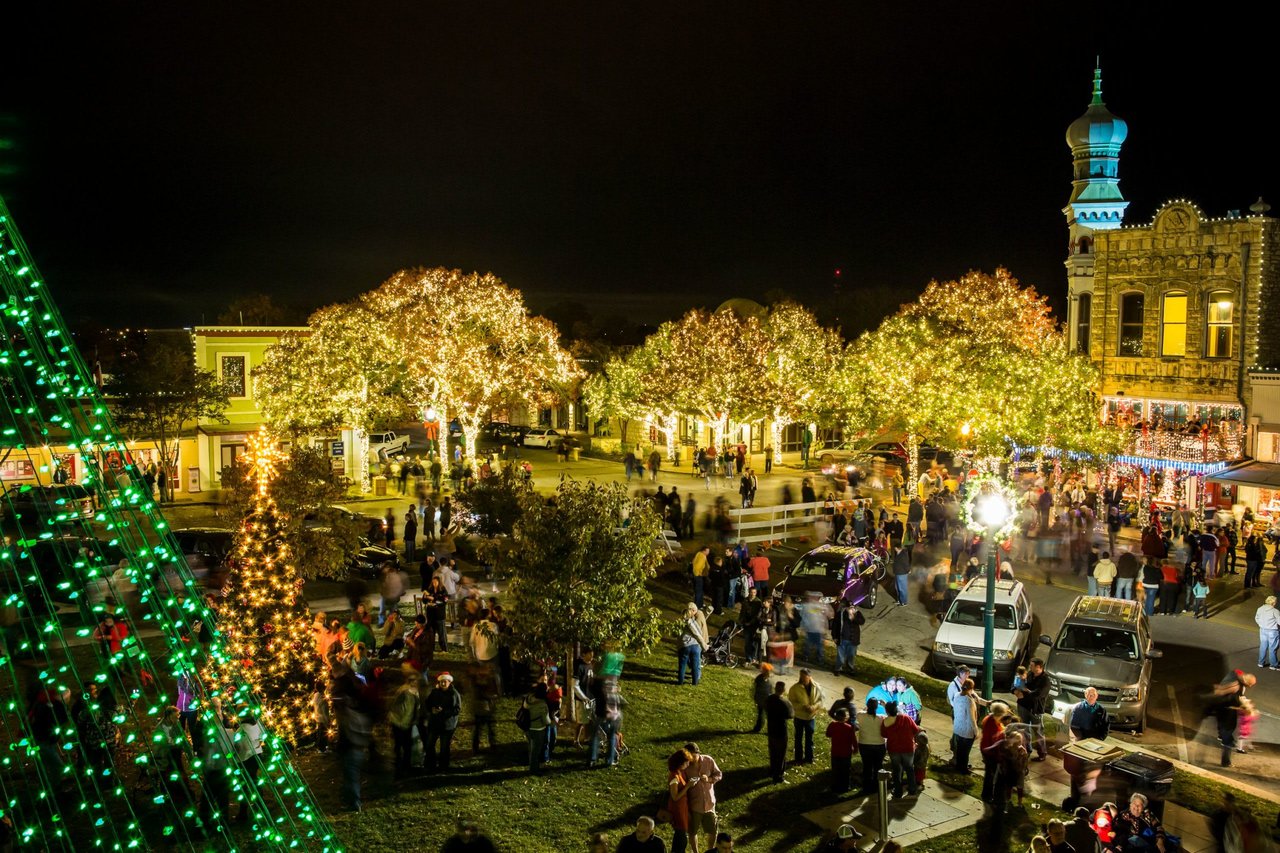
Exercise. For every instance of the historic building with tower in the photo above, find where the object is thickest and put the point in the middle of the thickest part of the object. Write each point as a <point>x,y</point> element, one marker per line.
<point>1178,314</point>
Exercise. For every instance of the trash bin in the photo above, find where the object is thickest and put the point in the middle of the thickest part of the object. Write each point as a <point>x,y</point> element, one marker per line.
<point>1141,773</point>
<point>1085,761</point>
<point>380,486</point>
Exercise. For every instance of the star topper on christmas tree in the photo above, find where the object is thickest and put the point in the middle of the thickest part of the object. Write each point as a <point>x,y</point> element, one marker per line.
<point>264,458</point>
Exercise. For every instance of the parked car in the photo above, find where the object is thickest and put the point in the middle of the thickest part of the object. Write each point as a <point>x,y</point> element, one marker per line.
<point>1103,643</point>
<point>371,526</point>
<point>838,573</point>
<point>503,433</point>
<point>32,504</point>
<point>856,467</point>
<point>208,552</point>
<point>960,637</point>
<point>368,559</point>
<point>542,437</point>
<point>45,555</point>
<point>385,444</point>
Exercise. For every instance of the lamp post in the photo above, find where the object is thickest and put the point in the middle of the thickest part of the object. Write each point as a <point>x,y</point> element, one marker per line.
<point>992,512</point>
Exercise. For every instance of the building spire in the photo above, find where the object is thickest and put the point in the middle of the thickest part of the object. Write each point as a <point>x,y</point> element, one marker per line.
<point>1097,81</point>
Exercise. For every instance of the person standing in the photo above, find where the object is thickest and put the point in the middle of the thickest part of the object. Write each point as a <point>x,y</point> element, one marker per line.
<point>848,636</point>
<point>759,565</point>
<point>702,796</point>
<point>402,714</point>
<point>1126,575</point>
<point>1209,552</point>
<point>539,721</point>
<point>443,705</point>
<point>901,572</point>
<point>990,746</point>
<point>841,734</point>
<point>410,533</point>
<point>389,525</point>
<point>870,745</point>
<point>1254,556</point>
<point>768,459</point>
<point>700,568</point>
<point>1032,697</point>
<point>760,688</point>
<point>693,639</point>
<point>964,725</point>
<point>815,617</point>
<point>1151,578</point>
<point>355,730</point>
<point>778,712</point>
<point>1268,619</point>
<point>680,781</point>
<point>1088,718</point>
<point>900,742</point>
<point>1103,574</point>
<point>655,464</point>
<point>807,701</point>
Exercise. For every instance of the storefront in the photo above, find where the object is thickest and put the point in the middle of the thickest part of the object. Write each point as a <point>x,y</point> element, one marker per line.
<point>1254,486</point>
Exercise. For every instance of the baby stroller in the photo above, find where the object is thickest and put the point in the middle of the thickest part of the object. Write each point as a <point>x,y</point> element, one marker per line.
<point>720,651</point>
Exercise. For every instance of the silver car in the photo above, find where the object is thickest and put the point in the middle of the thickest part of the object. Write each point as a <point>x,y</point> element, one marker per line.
<point>1104,643</point>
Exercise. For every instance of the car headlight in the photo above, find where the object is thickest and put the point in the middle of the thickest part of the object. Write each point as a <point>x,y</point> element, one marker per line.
<point>1132,693</point>
<point>1009,655</point>
<point>943,648</point>
<point>1053,686</point>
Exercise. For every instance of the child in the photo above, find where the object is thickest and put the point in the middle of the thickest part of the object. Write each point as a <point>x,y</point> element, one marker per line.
<point>842,736</point>
<point>1200,591</point>
<point>1244,724</point>
<point>921,760</point>
<point>1019,680</point>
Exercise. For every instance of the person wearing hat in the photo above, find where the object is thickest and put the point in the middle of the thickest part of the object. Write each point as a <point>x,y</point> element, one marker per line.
<point>443,705</point>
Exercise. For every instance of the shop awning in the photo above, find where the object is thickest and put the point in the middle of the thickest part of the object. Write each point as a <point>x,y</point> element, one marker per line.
<point>1264,475</point>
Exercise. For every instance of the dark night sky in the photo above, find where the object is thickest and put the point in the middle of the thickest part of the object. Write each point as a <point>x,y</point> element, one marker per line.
<point>165,161</point>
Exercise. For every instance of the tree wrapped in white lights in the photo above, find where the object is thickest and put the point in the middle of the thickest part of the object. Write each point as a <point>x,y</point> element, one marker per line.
<point>802,357</point>
<point>980,350</point>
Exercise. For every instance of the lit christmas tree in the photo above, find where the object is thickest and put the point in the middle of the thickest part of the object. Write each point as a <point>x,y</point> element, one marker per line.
<point>97,612</point>
<point>268,659</point>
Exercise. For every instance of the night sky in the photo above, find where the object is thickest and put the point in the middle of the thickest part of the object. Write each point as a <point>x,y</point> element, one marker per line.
<point>161,162</point>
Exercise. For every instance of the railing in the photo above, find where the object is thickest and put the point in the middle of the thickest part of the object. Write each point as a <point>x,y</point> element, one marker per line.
<point>786,521</point>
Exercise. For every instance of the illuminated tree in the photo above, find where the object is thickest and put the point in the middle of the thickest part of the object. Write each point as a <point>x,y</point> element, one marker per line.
<point>803,356</point>
<point>263,617</point>
<point>469,345</point>
<point>981,350</point>
<point>622,390</point>
<point>463,343</point>
<point>343,372</point>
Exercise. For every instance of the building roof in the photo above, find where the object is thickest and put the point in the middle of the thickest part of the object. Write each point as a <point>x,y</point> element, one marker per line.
<point>1264,475</point>
<point>1097,127</point>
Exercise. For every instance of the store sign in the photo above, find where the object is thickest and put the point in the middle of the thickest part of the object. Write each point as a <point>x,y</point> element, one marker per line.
<point>336,448</point>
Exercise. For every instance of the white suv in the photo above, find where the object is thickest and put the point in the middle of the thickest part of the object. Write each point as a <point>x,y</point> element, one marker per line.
<point>960,636</point>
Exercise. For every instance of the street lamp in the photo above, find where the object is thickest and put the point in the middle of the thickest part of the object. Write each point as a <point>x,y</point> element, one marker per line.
<point>992,510</point>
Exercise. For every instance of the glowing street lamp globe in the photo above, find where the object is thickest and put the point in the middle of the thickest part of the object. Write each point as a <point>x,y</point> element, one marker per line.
<point>991,510</point>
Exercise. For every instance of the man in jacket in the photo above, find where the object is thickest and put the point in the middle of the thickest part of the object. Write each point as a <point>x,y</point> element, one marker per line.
<point>807,702</point>
<point>778,711</point>
<point>847,632</point>
<point>1103,574</point>
<point>1268,619</point>
<point>443,705</point>
<point>1088,718</point>
<point>700,568</point>
<point>1032,698</point>
<point>1126,574</point>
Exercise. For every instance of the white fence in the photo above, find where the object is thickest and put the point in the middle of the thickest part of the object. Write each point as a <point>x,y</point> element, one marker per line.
<point>775,523</point>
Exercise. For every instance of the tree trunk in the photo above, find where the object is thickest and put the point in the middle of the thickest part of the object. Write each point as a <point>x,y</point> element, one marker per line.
<point>362,459</point>
<point>913,463</point>
<point>570,683</point>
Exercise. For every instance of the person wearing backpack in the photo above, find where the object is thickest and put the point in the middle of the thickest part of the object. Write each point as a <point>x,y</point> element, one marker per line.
<point>534,717</point>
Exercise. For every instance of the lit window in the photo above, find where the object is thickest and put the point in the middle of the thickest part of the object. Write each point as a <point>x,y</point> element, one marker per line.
<point>1084,318</point>
<point>1173,325</point>
<point>1218,331</point>
<point>1131,307</point>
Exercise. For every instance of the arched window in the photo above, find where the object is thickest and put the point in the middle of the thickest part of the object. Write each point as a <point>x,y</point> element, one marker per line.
<point>1131,309</point>
<point>1084,319</point>
<point>1219,324</point>
<point>1173,325</point>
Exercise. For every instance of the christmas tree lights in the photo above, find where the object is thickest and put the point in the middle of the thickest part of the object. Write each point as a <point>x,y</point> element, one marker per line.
<point>99,618</point>
<point>264,620</point>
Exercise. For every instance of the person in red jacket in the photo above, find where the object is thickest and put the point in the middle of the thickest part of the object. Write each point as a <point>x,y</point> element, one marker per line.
<point>841,733</point>
<point>900,743</point>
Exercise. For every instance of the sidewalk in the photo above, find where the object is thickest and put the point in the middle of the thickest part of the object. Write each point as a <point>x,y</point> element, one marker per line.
<point>941,809</point>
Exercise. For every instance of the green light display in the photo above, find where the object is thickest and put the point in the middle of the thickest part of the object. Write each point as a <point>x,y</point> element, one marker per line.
<point>111,738</point>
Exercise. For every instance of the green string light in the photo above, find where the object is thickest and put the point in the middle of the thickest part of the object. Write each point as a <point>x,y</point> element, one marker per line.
<point>87,764</point>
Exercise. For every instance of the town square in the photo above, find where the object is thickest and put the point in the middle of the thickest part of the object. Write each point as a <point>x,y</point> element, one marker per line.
<point>684,428</point>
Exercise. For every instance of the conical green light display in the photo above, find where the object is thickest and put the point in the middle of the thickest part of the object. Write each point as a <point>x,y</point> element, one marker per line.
<point>109,740</point>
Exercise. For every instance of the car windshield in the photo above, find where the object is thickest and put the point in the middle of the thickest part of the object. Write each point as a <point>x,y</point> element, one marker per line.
<point>1102,642</point>
<point>970,613</point>
<point>821,565</point>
